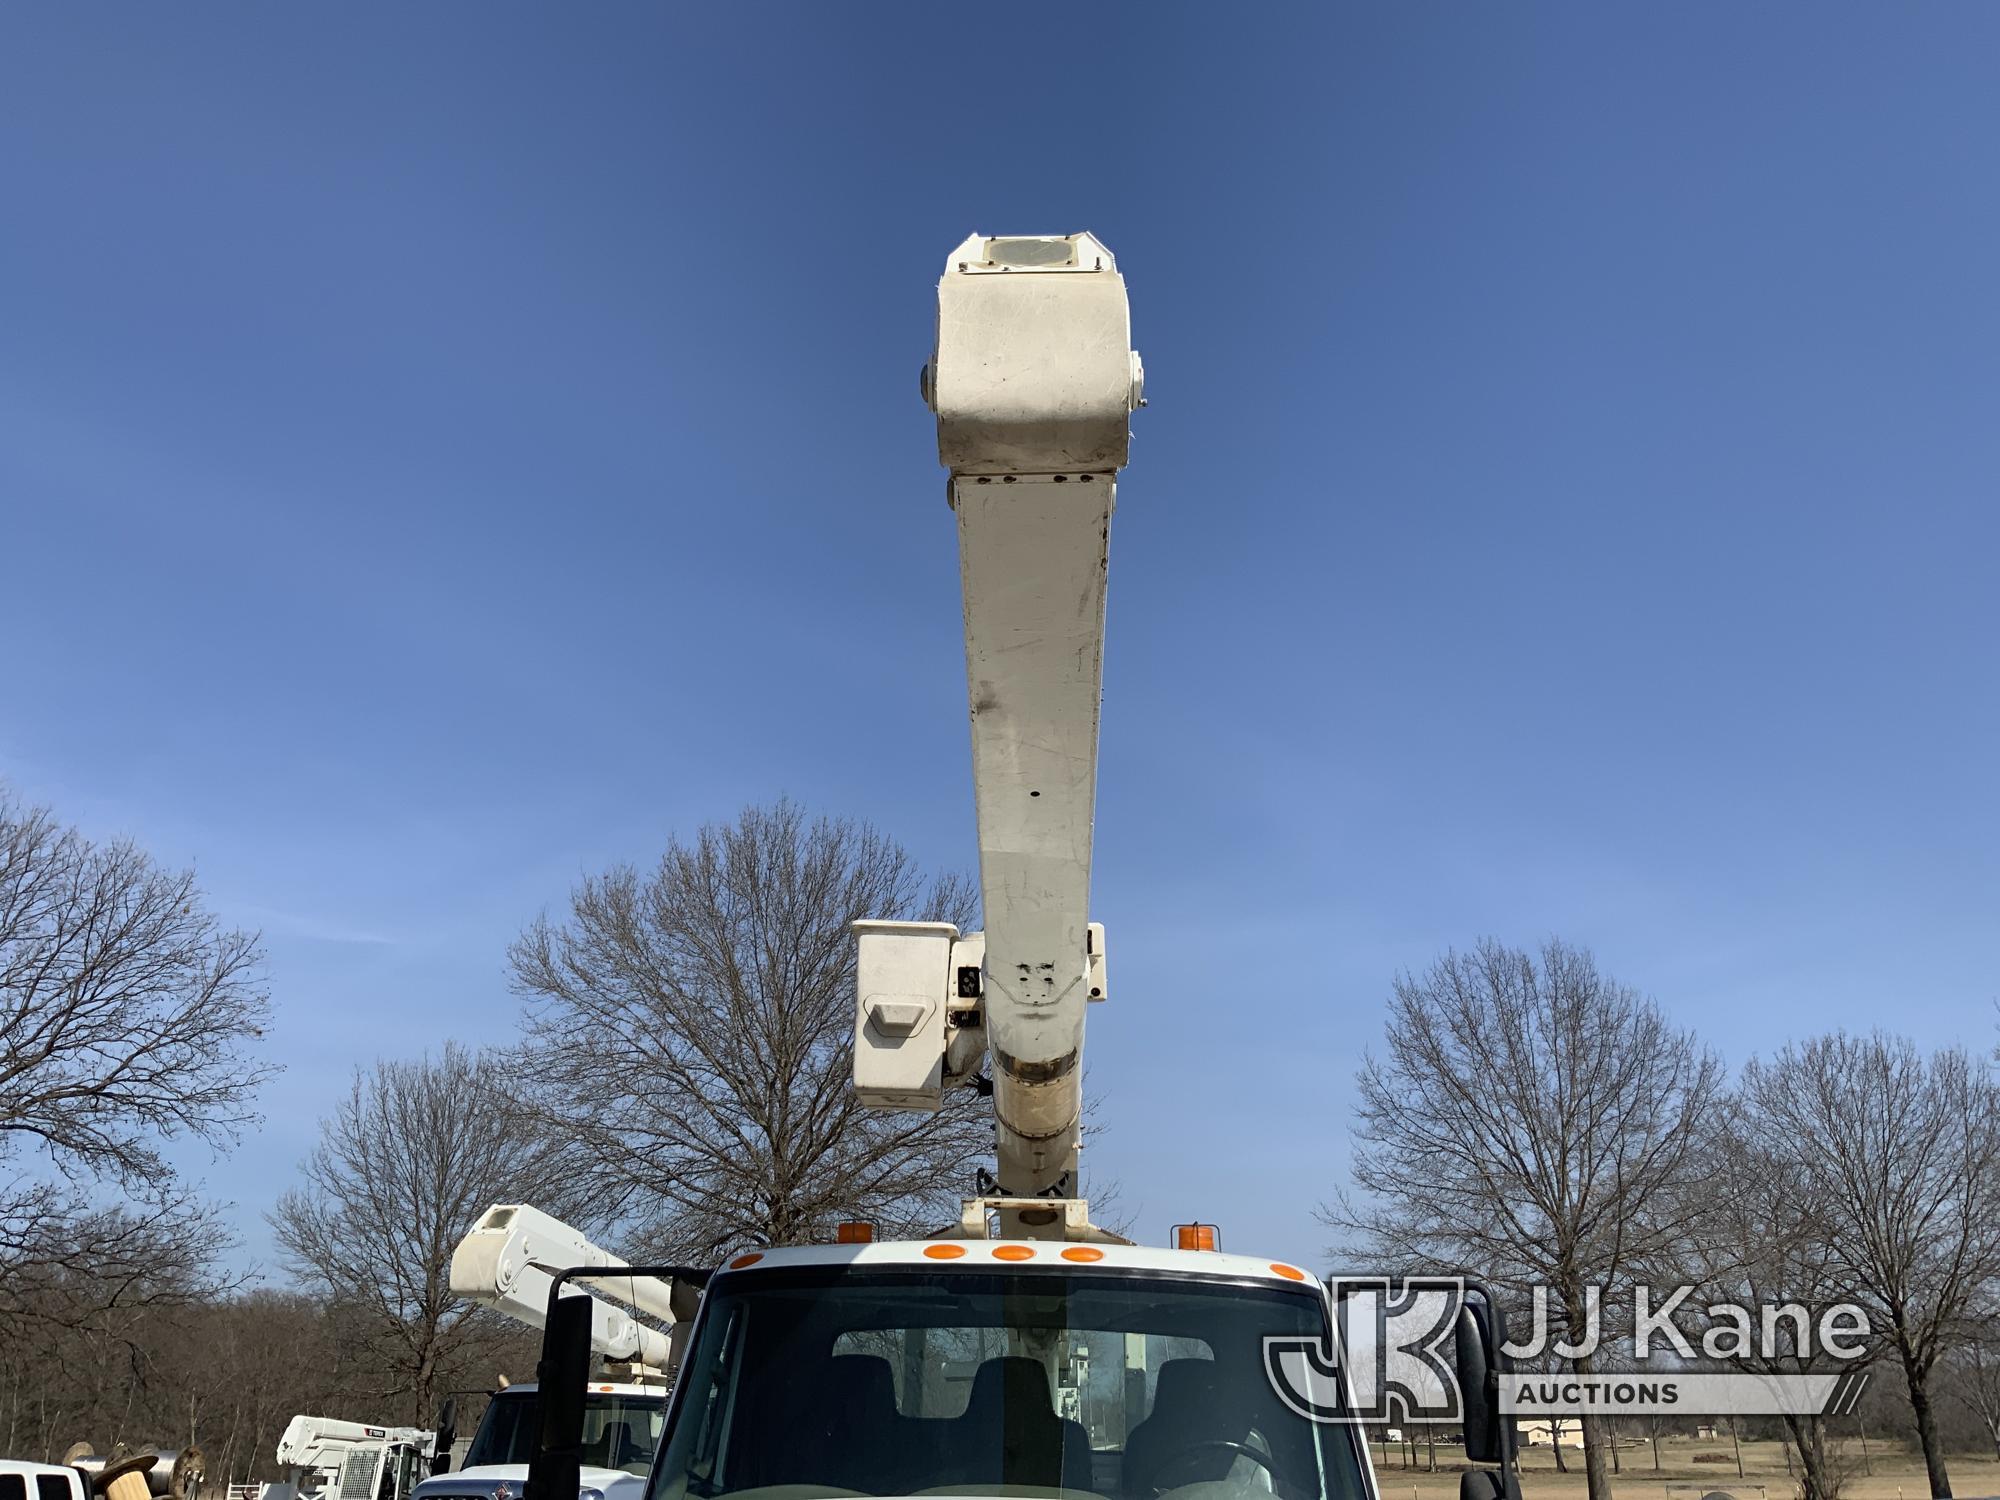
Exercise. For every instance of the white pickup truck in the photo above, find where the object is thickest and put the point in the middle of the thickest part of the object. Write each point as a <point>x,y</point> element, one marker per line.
<point>327,1458</point>
<point>20,1480</point>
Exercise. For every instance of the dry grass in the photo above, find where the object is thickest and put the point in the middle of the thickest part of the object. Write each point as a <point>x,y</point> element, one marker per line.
<point>1898,1472</point>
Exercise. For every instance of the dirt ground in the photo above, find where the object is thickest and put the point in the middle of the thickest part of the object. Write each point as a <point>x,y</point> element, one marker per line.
<point>1897,1472</point>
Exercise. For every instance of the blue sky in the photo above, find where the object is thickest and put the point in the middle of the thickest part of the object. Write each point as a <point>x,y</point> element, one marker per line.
<point>445,449</point>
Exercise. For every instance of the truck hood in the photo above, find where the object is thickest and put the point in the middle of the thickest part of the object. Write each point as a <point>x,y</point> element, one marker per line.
<point>485,1480</point>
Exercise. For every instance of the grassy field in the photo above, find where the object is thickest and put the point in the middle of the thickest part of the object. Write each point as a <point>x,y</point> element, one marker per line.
<point>1708,1464</point>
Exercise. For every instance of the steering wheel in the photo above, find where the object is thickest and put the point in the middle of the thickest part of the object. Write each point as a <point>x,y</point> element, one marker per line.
<point>1179,1460</point>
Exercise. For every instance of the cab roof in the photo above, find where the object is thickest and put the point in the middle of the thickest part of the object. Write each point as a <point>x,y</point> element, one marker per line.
<point>595,1388</point>
<point>945,1255</point>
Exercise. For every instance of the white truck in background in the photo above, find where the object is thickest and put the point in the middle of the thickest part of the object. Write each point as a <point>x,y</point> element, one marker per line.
<point>506,1263</point>
<point>325,1458</point>
<point>622,1424</point>
<point>144,1474</point>
<point>21,1479</point>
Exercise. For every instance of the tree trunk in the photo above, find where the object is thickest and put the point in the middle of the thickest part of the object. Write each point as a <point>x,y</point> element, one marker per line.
<point>1737,1442</point>
<point>425,1385</point>
<point>1656,1445</point>
<point>1920,1403</point>
<point>1596,1476</point>
<point>1807,1435</point>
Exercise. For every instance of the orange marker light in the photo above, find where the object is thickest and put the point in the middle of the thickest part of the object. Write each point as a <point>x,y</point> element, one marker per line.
<point>1196,1237</point>
<point>944,1252</point>
<point>854,1232</point>
<point>1290,1273</point>
<point>1012,1252</point>
<point>1084,1253</point>
<point>746,1260</point>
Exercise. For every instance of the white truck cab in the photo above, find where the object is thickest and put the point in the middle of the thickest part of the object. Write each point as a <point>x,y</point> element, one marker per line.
<point>999,1367</point>
<point>621,1431</point>
<point>326,1458</point>
<point>20,1480</point>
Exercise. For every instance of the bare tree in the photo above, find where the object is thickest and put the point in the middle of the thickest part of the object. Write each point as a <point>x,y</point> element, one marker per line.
<point>1899,1158</point>
<point>227,1376</point>
<point>689,1033</point>
<point>75,1265</point>
<point>1752,1242</point>
<point>1975,1370</point>
<point>221,1375</point>
<point>407,1163</point>
<point>126,1011</point>
<point>78,1358</point>
<point>1531,1124</point>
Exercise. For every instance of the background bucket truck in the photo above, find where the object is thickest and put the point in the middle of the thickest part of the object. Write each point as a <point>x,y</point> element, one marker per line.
<point>507,1263</point>
<point>324,1458</point>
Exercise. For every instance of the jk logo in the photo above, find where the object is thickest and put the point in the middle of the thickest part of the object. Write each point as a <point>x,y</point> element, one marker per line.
<point>1392,1345</point>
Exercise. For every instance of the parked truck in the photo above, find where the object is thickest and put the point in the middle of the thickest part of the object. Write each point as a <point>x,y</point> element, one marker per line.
<point>1022,1349</point>
<point>326,1458</point>
<point>506,1263</point>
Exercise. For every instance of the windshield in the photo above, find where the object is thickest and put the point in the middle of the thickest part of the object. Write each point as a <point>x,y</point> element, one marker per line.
<point>619,1432</point>
<point>811,1383</point>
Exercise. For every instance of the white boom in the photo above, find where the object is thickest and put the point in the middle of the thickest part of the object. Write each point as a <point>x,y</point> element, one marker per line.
<point>508,1262</point>
<point>1033,382</point>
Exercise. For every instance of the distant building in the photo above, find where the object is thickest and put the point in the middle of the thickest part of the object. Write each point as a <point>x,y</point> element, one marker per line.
<point>1547,1434</point>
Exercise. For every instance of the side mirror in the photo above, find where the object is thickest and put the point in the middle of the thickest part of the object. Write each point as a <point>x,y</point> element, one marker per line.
<point>556,1470</point>
<point>447,1434</point>
<point>683,1300</point>
<point>1489,1435</point>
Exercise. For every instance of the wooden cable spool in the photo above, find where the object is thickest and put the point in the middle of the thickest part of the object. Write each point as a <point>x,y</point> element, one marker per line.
<point>164,1473</point>
<point>125,1478</point>
<point>183,1476</point>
